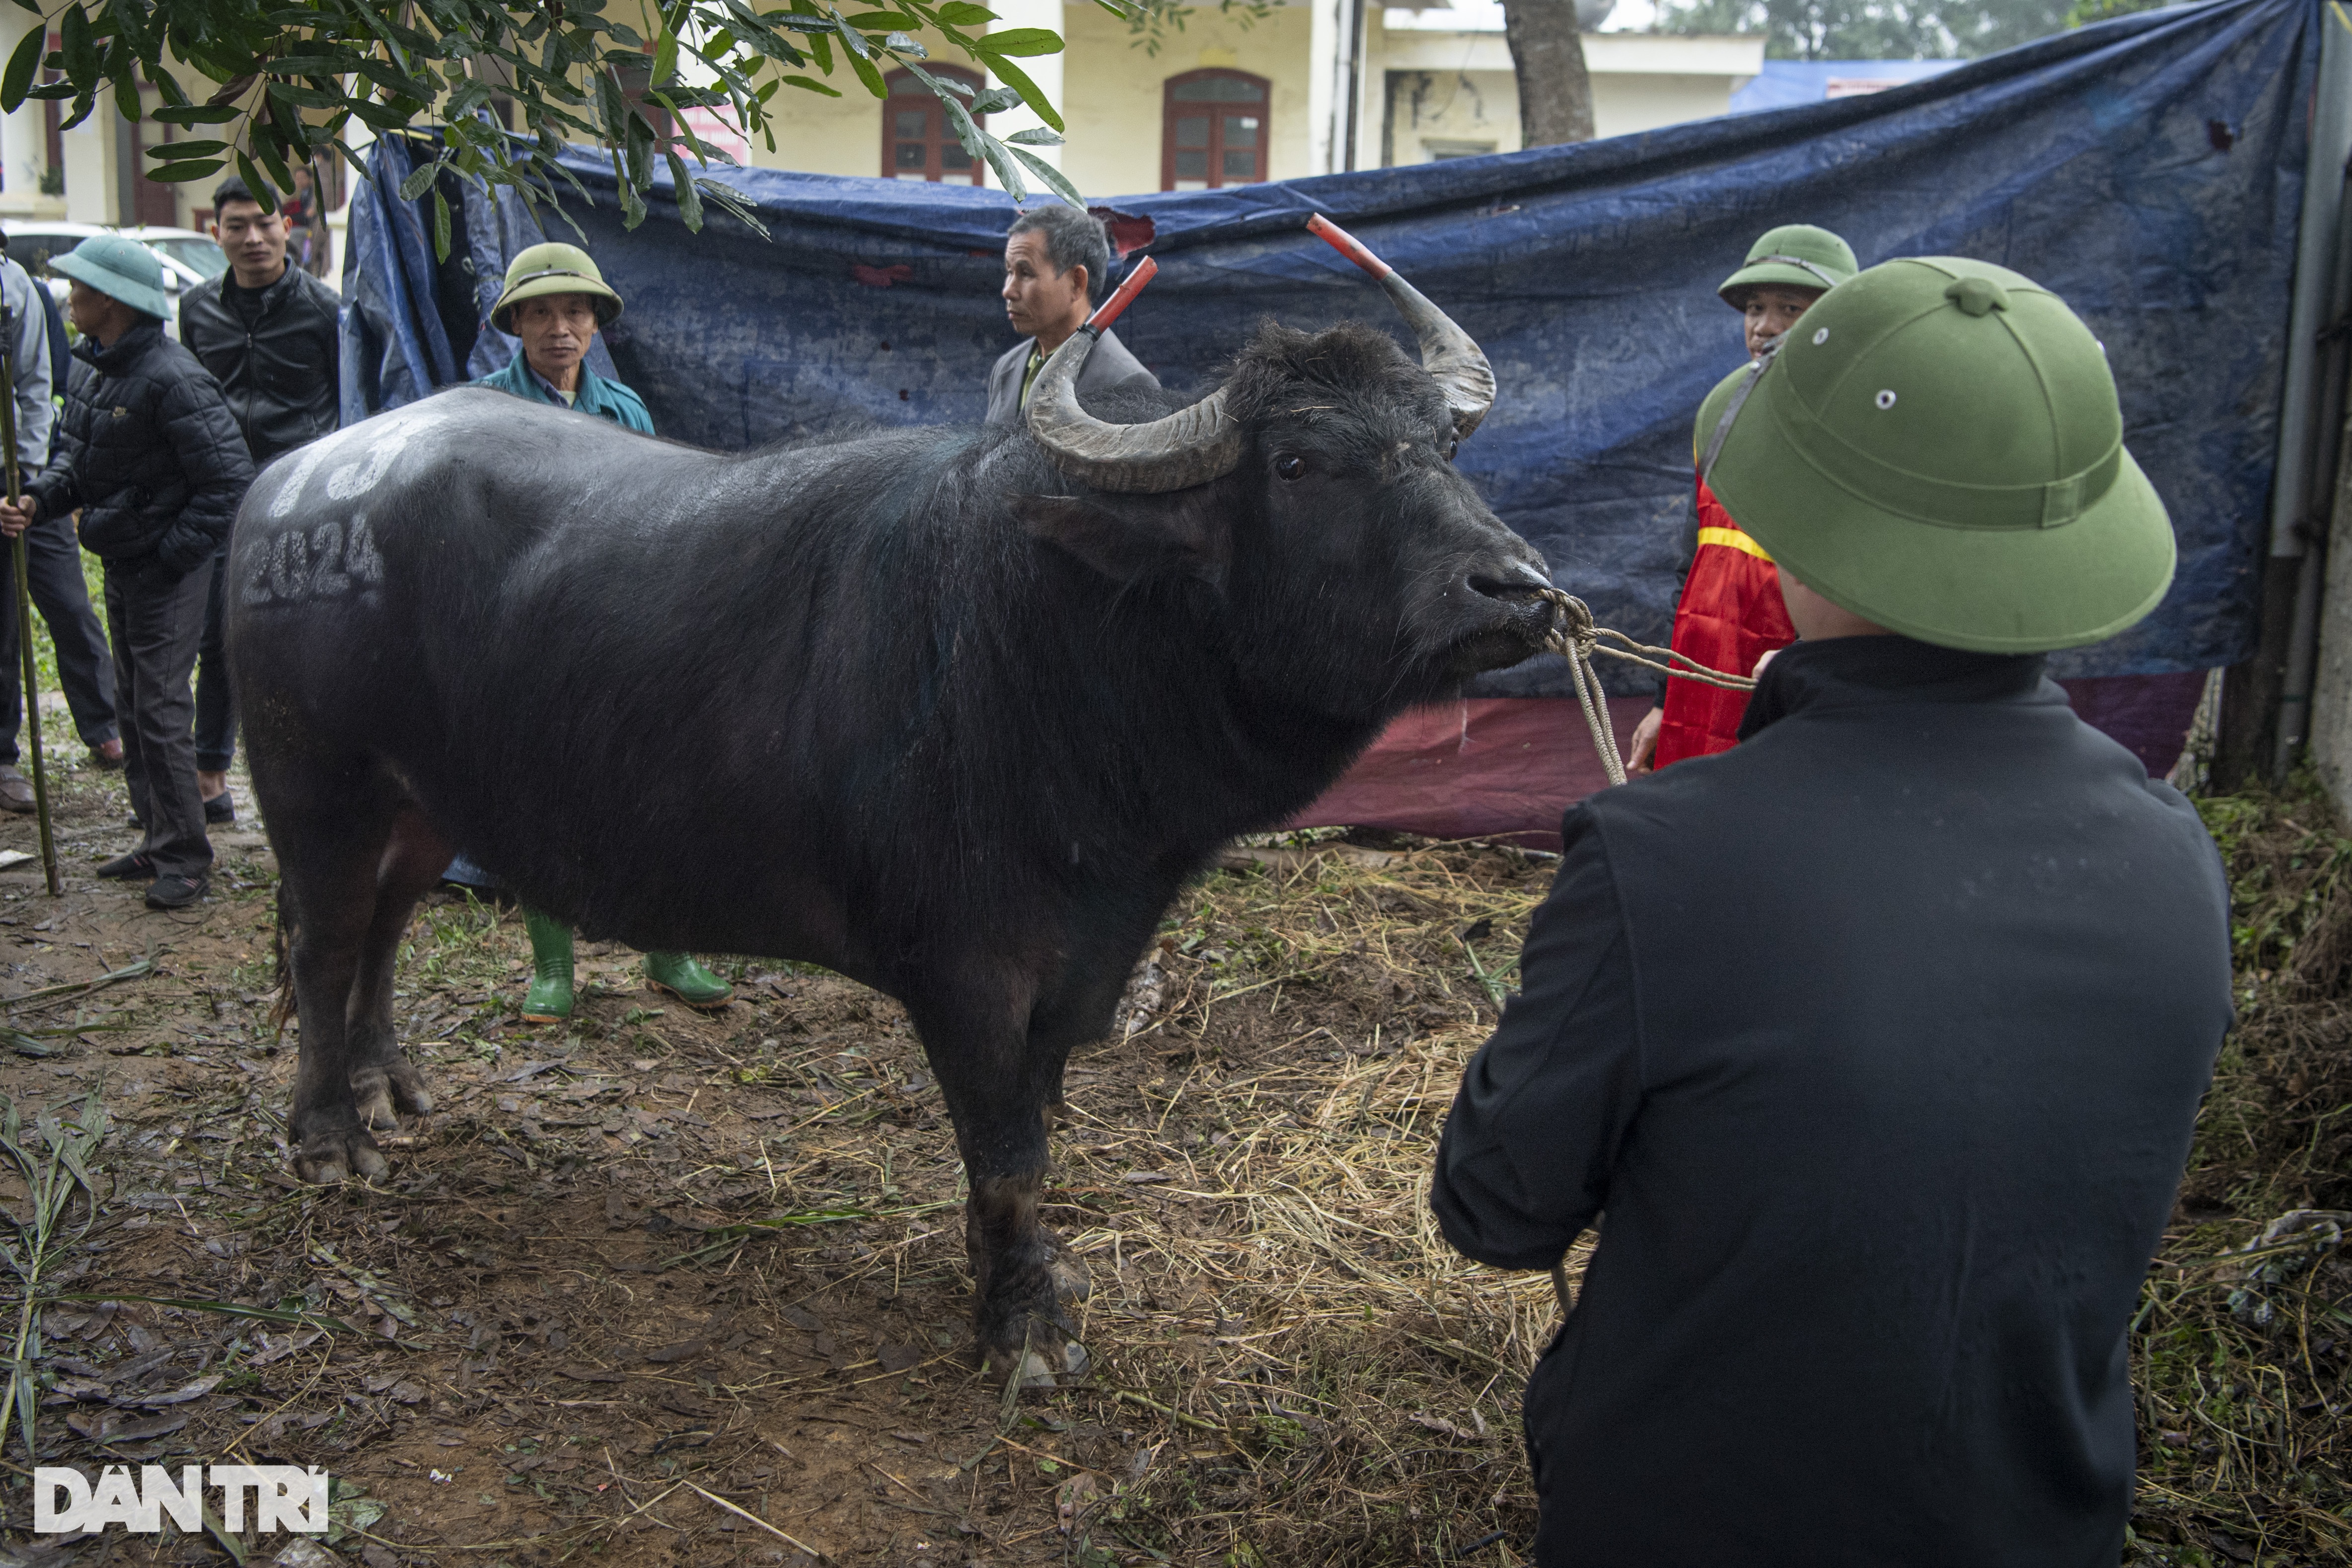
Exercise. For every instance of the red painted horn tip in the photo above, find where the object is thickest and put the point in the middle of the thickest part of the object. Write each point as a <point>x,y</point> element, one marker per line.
<point>1142,272</point>
<point>1347,244</point>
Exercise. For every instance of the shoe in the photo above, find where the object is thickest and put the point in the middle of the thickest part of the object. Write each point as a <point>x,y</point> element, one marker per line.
<point>131,867</point>
<point>221,808</point>
<point>176,892</point>
<point>107,755</point>
<point>686,980</point>
<point>15,791</point>
<point>549,1000</point>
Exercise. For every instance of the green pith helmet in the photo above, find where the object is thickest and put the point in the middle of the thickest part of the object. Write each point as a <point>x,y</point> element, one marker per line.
<point>1795,255</point>
<point>554,269</point>
<point>1937,448</point>
<point>118,266</point>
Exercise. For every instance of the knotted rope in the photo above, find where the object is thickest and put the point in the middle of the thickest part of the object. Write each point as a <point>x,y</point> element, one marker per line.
<point>1575,638</point>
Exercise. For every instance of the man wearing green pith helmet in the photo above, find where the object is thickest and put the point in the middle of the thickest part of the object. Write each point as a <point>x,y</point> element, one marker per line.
<point>1889,1122</point>
<point>1728,613</point>
<point>554,302</point>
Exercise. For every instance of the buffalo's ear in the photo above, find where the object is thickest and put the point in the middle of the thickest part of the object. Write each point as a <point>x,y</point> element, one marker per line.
<point>1129,536</point>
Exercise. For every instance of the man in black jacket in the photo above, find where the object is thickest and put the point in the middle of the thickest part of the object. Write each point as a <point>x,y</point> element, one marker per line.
<point>149,454</point>
<point>52,555</point>
<point>267,331</point>
<point>1880,1036</point>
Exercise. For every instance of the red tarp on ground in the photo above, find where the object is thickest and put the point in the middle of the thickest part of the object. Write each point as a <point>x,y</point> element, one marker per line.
<point>1508,766</point>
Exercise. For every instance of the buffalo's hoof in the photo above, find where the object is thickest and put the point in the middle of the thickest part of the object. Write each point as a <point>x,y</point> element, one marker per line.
<point>1072,1283</point>
<point>331,1158</point>
<point>1034,1368</point>
<point>384,1093</point>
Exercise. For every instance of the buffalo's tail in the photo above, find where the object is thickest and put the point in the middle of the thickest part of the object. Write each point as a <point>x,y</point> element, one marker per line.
<point>282,1009</point>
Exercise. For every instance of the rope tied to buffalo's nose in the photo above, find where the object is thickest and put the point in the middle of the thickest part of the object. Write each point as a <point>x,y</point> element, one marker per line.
<point>1575,637</point>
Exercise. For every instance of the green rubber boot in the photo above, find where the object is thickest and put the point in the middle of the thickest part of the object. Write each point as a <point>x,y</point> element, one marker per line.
<point>682,977</point>
<point>549,1000</point>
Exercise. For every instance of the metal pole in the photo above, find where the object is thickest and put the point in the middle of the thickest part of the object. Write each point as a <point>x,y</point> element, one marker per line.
<point>17,555</point>
<point>2322,197</point>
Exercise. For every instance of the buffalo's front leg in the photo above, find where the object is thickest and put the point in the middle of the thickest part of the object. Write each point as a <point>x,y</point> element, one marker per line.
<point>1023,1282</point>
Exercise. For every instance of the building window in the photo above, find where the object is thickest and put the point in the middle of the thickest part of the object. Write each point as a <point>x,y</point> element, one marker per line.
<point>1212,131</point>
<point>917,142</point>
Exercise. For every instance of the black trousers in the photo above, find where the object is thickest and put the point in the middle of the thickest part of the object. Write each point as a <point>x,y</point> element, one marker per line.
<point>215,701</point>
<point>53,558</point>
<point>156,623</point>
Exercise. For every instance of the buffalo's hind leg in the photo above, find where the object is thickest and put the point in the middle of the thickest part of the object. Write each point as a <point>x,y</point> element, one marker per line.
<point>331,826</point>
<point>385,1083</point>
<point>996,1094</point>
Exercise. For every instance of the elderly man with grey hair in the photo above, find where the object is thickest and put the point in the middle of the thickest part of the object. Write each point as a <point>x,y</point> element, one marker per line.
<point>1057,260</point>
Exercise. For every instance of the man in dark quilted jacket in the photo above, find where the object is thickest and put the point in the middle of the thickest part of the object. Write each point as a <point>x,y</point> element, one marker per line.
<point>149,454</point>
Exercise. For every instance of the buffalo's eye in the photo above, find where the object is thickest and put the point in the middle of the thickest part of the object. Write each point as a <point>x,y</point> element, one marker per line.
<point>1453,445</point>
<point>1290,466</point>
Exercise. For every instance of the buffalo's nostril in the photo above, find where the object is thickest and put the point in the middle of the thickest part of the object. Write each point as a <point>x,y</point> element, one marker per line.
<point>1513,582</point>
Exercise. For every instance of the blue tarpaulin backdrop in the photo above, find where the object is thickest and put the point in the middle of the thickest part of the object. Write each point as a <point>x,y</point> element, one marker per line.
<point>2150,169</point>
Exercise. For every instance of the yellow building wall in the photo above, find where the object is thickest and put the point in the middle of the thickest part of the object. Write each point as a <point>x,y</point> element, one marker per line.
<point>1113,98</point>
<point>1115,91</point>
<point>820,135</point>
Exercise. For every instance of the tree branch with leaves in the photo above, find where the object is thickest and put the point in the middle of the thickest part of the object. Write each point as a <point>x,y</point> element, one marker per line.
<point>290,79</point>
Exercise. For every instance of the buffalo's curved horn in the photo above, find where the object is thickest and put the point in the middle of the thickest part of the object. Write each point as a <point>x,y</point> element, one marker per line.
<point>1188,448</point>
<point>1449,354</point>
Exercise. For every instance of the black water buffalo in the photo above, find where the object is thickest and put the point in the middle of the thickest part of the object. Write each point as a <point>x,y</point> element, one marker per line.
<point>953,711</point>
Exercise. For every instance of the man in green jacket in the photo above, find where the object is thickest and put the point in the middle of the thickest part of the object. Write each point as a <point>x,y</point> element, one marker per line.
<point>555,302</point>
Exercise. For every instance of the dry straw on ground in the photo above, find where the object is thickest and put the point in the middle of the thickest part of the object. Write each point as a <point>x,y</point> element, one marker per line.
<point>666,1290</point>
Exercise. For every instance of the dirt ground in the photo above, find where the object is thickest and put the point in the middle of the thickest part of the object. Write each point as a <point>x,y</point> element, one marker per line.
<point>666,1288</point>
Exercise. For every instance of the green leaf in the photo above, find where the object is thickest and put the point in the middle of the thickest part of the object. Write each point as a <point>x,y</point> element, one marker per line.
<point>864,66</point>
<point>79,46</point>
<point>689,201</point>
<point>17,80</point>
<point>1020,41</point>
<point>966,132</point>
<point>1053,178</point>
<point>1007,172</point>
<point>419,181</point>
<point>1035,136</point>
<point>732,204</point>
<point>666,57</point>
<point>807,84</point>
<point>962,13</point>
<point>198,114</point>
<point>176,150</point>
<point>1018,80</point>
<point>119,63</point>
<point>263,192</point>
<point>440,226</point>
<point>392,80</point>
<point>881,21</point>
<point>996,98</point>
<point>172,174</point>
<point>263,139</point>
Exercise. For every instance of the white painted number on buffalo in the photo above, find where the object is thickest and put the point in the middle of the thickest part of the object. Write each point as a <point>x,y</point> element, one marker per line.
<point>321,563</point>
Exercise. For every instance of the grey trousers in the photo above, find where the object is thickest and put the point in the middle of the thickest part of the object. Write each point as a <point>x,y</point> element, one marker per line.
<point>157,624</point>
<point>53,554</point>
